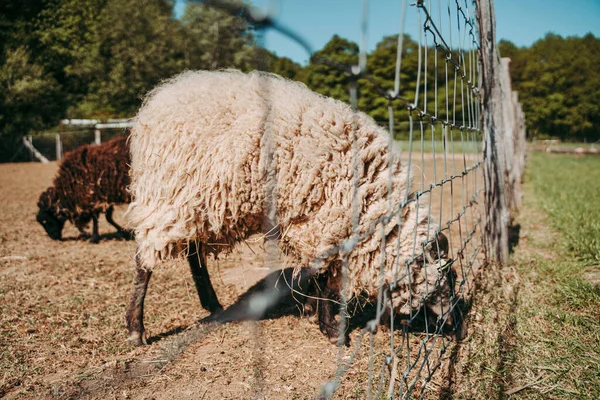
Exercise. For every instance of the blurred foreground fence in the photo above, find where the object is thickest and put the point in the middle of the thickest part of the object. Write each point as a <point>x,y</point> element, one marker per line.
<point>465,148</point>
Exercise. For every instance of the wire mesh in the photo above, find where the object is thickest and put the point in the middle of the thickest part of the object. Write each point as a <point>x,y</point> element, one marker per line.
<point>439,118</point>
<point>455,182</point>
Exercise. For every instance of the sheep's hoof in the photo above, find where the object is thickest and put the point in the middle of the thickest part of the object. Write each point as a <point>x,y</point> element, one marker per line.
<point>137,339</point>
<point>127,235</point>
<point>310,310</point>
<point>95,239</point>
<point>215,315</point>
<point>336,341</point>
<point>333,335</point>
<point>216,310</point>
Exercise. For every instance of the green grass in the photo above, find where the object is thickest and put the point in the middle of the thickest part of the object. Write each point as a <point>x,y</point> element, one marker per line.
<point>568,190</point>
<point>574,145</point>
<point>558,315</point>
<point>535,325</point>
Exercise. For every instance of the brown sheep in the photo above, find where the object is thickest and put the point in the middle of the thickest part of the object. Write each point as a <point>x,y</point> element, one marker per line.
<point>91,179</point>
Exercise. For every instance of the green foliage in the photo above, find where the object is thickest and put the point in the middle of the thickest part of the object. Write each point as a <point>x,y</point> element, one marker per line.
<point>216,39</point>
<point>98,58</point>
<point>65,36</point>
<point>558,80</point>
<point>325,78</point>
<point>436,92</point>
<point>284,66</point>
<point>137,44</point>
<point>27,92</point>
<point>27,98</point>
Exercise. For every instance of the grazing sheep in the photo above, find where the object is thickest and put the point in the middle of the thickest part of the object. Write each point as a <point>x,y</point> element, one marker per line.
<point>200,161</point>
<point>91,179</point>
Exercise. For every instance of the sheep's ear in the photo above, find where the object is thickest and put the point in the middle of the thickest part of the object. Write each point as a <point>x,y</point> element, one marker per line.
<point>62,215</point>
<point>440,247</point>
<point>44,200</point>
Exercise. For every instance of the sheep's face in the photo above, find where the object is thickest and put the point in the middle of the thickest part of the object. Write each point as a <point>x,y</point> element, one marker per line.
<point>53,223</point>
<point>440,302</point>
<point>449,308</point>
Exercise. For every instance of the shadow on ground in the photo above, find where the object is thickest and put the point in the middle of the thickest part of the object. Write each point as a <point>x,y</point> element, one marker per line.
<point>279,294</point>
<point>102,237</point>
<point>514,232</point>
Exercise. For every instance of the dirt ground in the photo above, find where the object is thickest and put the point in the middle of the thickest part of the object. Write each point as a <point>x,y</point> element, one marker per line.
<point>62,328</point>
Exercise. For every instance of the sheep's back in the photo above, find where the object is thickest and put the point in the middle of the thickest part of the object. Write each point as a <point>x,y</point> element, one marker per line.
<point>91,178</point>
<point>197,167</point>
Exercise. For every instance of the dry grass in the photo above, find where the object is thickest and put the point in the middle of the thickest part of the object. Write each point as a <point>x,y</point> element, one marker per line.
<point>535,323</point>
<point>62,308</point>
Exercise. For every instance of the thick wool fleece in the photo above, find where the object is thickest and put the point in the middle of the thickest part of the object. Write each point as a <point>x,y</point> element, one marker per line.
<point>198,172</point>
<point>90,179</point>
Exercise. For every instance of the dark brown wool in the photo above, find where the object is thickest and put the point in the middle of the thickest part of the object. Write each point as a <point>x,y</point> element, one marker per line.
<point>91,180</point>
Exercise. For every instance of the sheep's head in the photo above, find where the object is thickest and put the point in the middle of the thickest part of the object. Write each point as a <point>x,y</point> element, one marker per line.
<point>444,302</point>
<point>49,216</point>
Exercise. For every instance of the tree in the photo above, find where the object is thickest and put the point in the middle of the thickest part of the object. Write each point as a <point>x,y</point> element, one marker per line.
<point>66,35</point>
<point>327,79</point>
<point>217,39</point>
<point>558,80</point>
<point>29,95</point>
<point>137,44</point>
<point>27,102</point>
<point>284,66</point>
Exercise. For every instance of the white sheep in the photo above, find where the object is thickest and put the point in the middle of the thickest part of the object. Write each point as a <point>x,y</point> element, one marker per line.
<point>199,163</point>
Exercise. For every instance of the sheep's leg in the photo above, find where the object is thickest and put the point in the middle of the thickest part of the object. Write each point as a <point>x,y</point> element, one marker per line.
<point>82,233</point>
<point>127,234</point>
<point>327,322</point>
<point>206,292</point>
<point>95,235</point>
<point>311,300</point>
<point>328,310</point>
<point>135,312</point>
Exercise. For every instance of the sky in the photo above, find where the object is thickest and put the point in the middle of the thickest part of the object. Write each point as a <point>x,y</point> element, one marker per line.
<point>521,21</point>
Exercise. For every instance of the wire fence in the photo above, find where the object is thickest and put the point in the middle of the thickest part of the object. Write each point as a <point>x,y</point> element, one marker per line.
<point>418,340</point>
<point>449,150</point>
